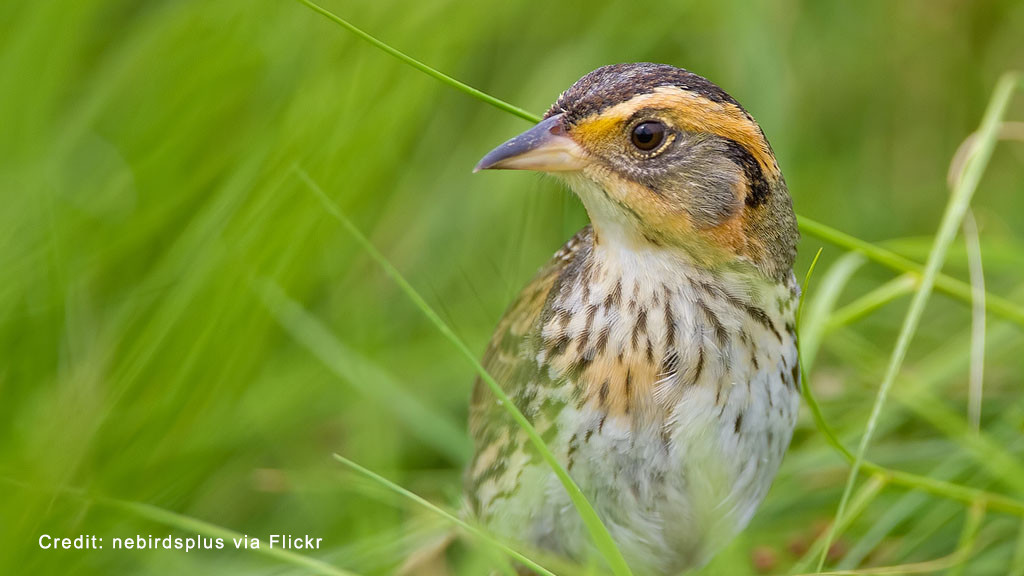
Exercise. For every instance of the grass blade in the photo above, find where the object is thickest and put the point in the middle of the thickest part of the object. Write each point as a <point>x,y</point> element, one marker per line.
<point>812,329</point>
<point>946,284</point>
<point>598,532</point>
<point>897,514</point>
<point>975,514</point>
<point>955,209</point>
<point>977,275</point>
<point>1017,567</point>
<point>365,376</point>
<point>865,495</point>
<point>873,300</point>
<point>924,483</point>
<point>478,94</point>
<point>444,514</point>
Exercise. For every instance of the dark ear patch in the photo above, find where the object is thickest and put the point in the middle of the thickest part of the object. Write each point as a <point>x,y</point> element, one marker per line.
<point>758,184</point>
<point>617,83</point>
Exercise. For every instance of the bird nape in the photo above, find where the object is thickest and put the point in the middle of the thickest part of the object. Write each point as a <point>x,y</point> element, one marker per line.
<point>656,351</point>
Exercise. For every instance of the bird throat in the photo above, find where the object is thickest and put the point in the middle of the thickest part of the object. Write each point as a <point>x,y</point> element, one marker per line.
<point>619,226</point>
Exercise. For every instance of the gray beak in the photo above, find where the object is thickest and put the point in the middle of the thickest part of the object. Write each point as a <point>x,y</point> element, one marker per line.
<point>545,148</point>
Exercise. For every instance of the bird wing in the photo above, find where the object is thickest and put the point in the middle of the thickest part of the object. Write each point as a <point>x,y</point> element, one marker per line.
<point>511,359</point>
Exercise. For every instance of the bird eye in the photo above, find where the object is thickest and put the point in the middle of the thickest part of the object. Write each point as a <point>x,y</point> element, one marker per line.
<point>648,135</point>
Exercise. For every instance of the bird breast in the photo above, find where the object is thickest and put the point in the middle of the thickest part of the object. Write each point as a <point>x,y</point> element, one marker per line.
<point>632,331</point>
<point>678,390</point>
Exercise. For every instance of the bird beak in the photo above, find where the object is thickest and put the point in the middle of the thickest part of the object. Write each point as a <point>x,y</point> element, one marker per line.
<point>545,148</point>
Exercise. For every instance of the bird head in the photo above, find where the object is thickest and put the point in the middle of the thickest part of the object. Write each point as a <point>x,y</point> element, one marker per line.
<point>663,158</point>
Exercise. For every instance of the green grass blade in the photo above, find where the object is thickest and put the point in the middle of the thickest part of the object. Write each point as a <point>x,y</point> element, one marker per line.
<point>946,284</point>
<point>913,394</point>
<point>950,490</point>
<point>365,376</point>
<point>805,389</point>
<point>924,483</point>
<point>897,514</point>
<point>492,541</point>
<point>969,535</point>
<point>977,276</point>
<point>860,502</point>
<point>803,287</point>
<point>598,532</point>
<point>812,327</point>
<point>989,452</point>
<point>933,486</point>
<point>480,95</point>
<point>1017,566</point>
<point>955,209</point>
<point>873,300</point>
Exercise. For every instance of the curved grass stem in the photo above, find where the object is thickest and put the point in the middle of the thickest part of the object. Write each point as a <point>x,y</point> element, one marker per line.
<point>444,514</point>
<point>428,70</point>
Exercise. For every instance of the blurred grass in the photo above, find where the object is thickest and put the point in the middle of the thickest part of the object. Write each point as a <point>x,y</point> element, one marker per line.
<point>145,179</point>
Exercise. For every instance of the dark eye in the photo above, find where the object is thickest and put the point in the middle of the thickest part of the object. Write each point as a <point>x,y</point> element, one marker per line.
<point>648,135</point>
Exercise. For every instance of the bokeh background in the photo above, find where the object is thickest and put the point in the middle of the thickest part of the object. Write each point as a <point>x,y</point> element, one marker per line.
<point>184,325</point>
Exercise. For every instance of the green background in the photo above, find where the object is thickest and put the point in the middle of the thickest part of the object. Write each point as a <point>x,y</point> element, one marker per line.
<point>183,323</point>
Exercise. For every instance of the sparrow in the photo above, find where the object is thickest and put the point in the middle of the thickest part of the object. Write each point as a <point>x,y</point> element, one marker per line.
<point>655,352</point>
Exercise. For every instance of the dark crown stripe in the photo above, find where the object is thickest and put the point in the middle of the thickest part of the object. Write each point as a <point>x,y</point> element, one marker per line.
<point>611,85</point>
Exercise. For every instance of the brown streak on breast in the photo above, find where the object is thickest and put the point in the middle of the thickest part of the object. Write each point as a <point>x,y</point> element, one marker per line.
<point>640,327</point>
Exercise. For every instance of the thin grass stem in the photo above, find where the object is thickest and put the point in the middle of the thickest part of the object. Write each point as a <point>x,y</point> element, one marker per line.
<point>364,376</point>
<point>955,209</point>
<point>865,495</point>
<point>492,541</point>
<point>898,513</point>
<point>968,536</point>
<point>927,567</point>
<point>433,72</point>
<point>946,284</point>
<point>977,366</point>
<point>873,300</point>
<point>812,328</point>
<point>807,282</point>
<point>1017,564</point>
<point>926,484</point>
<point>949,490</point>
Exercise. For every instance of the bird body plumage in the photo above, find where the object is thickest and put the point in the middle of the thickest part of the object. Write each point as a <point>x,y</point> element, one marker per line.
<point>641,376</point>
<point>657,360</point>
